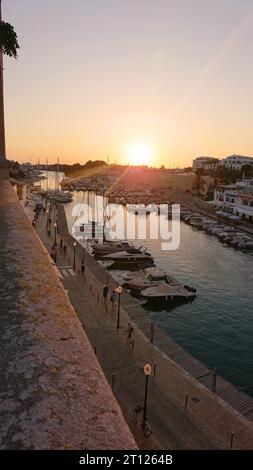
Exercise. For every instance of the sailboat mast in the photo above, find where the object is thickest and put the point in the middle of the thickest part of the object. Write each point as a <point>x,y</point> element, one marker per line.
<point>108,167</point>
<point>58,174</point>
<point>47,174</point>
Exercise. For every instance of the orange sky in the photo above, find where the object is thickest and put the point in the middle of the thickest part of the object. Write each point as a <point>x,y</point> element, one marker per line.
<point>96,78</point>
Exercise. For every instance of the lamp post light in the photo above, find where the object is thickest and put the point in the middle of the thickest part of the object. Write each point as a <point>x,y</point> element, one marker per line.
<point>74,262</point>
<point>147,371</point>
<point>55,228</point>
<point>119,290</point>
<point>82,265</point>
<point>47,212</point>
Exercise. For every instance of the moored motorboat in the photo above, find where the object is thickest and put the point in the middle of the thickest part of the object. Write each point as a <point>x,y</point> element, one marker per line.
<point>108,247</point>
<point>166,292</point>
<point>147,278</point>
<point>125,258</point>
<point>58,196</point>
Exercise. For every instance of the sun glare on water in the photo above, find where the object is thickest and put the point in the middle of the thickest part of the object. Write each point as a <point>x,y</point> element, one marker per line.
<point>139,153</point>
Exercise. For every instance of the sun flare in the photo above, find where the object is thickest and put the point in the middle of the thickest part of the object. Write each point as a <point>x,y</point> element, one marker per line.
<point>139,153</point>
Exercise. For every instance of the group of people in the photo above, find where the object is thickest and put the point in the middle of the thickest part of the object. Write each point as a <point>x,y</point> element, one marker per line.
<point>113,296</point>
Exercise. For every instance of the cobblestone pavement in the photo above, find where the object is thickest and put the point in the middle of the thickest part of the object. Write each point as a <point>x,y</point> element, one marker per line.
<point>172,426</point>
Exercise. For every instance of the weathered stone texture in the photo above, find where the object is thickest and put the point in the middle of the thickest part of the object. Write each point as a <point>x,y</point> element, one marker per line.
<point>53,394</point>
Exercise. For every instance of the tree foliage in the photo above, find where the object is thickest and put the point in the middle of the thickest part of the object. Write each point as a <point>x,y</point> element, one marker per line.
<point>76,169</point>
<point>8,40</point>
<point>247,170</point>
<point>198,185</point>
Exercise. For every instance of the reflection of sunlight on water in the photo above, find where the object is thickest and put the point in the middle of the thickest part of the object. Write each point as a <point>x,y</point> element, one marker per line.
<point>217,327</point>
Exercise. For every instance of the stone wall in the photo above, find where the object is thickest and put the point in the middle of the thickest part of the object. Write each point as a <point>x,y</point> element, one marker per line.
<point>53,393</point>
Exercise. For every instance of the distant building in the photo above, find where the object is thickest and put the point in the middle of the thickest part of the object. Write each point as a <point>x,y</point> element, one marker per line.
<point>236,199</point>
<point>235,162</point>
<point>206,164</point>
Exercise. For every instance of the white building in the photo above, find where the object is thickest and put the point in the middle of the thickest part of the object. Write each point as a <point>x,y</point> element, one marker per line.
<point>204,163</point>
<point>235,162</point>
<point>236,199</point>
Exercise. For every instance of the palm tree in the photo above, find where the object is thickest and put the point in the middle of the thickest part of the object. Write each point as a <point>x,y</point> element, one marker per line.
<point>9,46</point>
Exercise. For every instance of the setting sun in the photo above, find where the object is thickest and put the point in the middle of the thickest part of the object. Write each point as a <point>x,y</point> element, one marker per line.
<point>139,153</point>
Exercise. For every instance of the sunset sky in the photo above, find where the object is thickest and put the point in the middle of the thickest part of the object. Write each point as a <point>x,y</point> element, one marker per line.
<point>167,79</point>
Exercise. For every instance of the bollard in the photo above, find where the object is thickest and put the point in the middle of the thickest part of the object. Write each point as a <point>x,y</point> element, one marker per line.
<point>214,379</point>
<point>154,369</point>
<point>186,401</point>
<point>231,439</point>
<point>152,328</point>
<point>113,380</point>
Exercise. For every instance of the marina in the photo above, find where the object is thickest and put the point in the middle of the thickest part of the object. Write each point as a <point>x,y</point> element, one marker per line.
<point>206,375</point>
<point>126,209</point>
<point>226,233</point>
<point>217,327</point>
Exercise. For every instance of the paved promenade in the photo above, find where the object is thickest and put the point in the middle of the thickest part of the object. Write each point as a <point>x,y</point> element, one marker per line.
<point>207,423</point>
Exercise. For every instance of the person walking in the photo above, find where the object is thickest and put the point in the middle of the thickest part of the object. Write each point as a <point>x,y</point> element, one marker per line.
<point>53,253</point>
<point>105,293</point>
<point>113,299</point>
<point>129,331</point>
<point>82,268</point>
<point>64,248</point>
<point>130,341</point>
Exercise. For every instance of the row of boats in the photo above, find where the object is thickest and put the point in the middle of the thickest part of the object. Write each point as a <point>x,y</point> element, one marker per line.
<point>143,278</point>
<point>228,234</point>
<point>57,196</point>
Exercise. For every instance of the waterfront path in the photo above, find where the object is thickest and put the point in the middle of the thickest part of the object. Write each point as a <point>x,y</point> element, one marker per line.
<point>206,424</point>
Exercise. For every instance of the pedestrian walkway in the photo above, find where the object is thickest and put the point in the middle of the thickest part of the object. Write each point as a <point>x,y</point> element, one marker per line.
<point>174,427</point>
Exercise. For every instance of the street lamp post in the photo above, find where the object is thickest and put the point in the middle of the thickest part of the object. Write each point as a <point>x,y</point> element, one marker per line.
<point>55,228</point>
<point>82,265</point>
<point>74,262</point>
<point>47,212</point>
<point>119,290</point>
<point>147,371</point>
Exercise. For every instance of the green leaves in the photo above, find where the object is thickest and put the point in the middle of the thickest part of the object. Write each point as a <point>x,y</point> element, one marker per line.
<point>8,40</point>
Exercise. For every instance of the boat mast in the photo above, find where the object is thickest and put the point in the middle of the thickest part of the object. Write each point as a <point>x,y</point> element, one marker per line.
<point>47,174</point>
<point>58,173</point>
<point>108,167</point>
